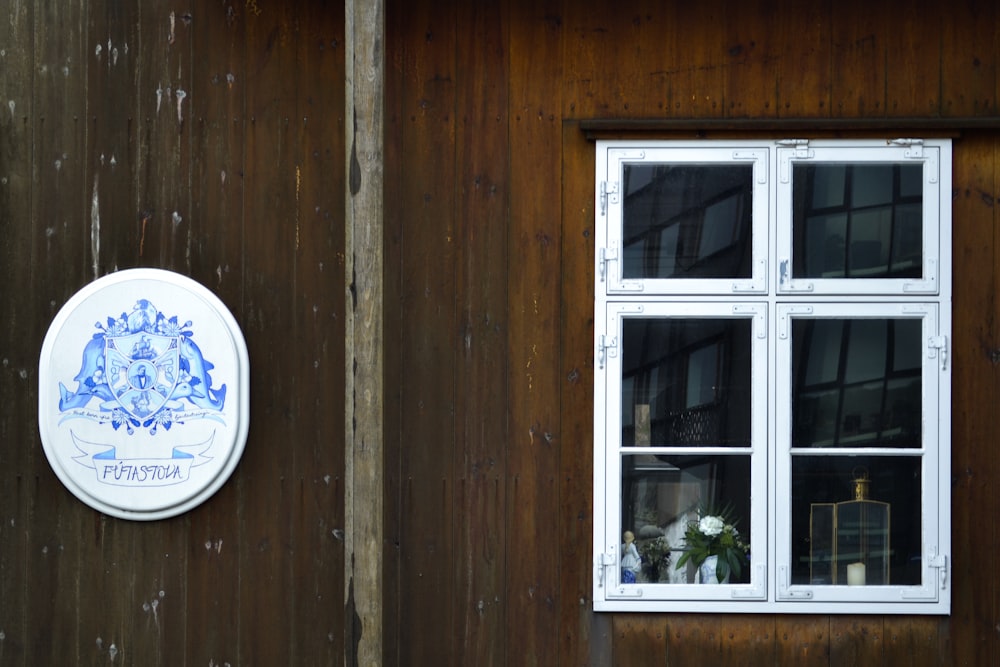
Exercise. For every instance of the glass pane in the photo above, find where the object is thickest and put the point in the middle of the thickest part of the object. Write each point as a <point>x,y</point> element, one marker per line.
<point>662,497</point>
<point>846,532</point>
<point>857,220</point>
<point>871,184</point>
<point>686,382</point>
<point>856,382</point>
<point>687,220</point>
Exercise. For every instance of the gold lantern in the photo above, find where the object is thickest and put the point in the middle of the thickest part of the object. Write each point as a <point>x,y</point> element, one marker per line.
<point>849,541</point>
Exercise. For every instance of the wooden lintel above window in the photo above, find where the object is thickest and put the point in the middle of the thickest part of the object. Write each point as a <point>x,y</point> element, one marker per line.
<point>604,128</point>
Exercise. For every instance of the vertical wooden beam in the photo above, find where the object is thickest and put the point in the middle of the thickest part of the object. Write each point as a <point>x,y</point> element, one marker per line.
<point>364,33</point>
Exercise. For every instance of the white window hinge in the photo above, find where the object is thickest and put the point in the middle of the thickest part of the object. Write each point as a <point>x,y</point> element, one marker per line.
<point>914,147</point>
<point>606,347</point>
<point>938,346</point>
<point>606,255</point>
<point>792,143</point>
<point>608,194</point>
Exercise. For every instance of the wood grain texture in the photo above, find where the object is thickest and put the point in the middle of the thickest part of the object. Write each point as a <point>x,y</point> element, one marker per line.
<point>19,246</point>
<point>583,634</point>
<point>974,431</point>
<point>58,196</point>
<point>481,142</point>
<point>363,247</point>
<point>427,338</point>
<point>534,284</point>
<point>488,305</point>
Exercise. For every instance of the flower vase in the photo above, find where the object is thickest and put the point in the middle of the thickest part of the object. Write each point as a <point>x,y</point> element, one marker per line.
<point>707,571</point>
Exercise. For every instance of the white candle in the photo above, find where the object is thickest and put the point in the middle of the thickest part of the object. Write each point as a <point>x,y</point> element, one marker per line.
<point>856,574</point>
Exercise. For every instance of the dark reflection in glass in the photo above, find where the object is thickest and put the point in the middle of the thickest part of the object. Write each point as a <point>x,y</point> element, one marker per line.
<point>661,494</point>
<point>857,220</point>
<point>857,382</point>
<point>831,532</point>
<point>687,220</point>
<point>686,382</point>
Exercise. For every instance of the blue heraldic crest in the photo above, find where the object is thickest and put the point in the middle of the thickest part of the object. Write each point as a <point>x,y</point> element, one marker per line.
<point>145,371</point>
<point>142,372</point>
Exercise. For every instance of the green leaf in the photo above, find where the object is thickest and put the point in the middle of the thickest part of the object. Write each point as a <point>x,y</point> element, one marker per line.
<point>733,561</point>
<point>721,570</point>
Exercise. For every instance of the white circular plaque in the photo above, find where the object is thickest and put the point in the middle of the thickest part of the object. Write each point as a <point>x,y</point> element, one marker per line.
<point>143,397</point>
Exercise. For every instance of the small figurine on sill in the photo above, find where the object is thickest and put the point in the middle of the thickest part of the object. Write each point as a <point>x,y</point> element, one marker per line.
<point>631,564</point>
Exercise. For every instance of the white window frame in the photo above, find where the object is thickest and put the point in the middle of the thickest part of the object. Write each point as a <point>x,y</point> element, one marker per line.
<point>772,297</point>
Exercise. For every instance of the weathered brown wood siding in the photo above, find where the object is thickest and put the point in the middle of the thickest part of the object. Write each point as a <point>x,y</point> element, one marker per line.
<point>488,309</point>
<point>489,295</point>
<point>206,138</point>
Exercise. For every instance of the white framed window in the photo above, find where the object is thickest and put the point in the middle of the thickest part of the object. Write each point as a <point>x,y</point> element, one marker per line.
<point>771,361</point>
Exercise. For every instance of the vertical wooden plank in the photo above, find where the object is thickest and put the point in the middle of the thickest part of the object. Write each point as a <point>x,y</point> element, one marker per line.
<point>749,640</point>
<point>320,295</point>
<point>113,58</point>
<point>481,148</point>
<point>802,640</point>
<point>107,545</point>
<point>395,122</point>
<point>697,74</point>
<point>163,112</point>
<point>428,338</point>
<point>754,53</point>
<point>912,638</point>
<point>856,640</point>
<point>580,628</point>
<point>157,602</point>
<point>267,588</point>
<point>365,76</point>
<point>857,62</point>
<point>20,331</point>
<point>974,392</point>
<point>641,639</point>
<point>693,637</point>
<point>589,37</point>
<point>993,467</point>
<point>534,289</point>
<point>62,232</point>
<point>913,59</point>
<point>968,62</point>
<point>720,639</point>
<point>800,47</point>
<point>217,126</point>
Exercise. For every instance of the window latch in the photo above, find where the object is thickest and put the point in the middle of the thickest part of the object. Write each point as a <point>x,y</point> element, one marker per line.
<point>606,347</point>
<point>606,255</point>
<point>935,343</point>
<point>940,562</point>
<point>604,561</point>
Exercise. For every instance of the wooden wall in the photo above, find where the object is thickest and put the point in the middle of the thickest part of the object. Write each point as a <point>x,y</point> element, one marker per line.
<point>490,255</point>
<point>488,307</point>
<point>206,138</point>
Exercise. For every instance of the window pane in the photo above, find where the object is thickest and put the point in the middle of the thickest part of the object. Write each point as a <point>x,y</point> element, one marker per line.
<point>687,220</point>
<point>857,382</point>
<point>686,382</point>
<point>857,220</point>
<point>661,495</point>
<point>842,538</point>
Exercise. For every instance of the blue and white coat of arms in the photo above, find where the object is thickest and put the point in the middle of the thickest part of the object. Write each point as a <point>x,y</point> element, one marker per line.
<point>143,425</point>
